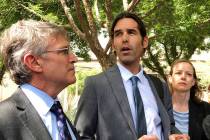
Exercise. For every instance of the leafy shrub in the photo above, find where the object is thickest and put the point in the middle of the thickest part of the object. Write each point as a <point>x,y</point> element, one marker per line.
<point>81,76</point>
<point>75,91</point>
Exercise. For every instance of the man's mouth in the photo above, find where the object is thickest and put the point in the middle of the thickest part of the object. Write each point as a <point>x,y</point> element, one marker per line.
<point>72,69</point>
<point>125,49</point>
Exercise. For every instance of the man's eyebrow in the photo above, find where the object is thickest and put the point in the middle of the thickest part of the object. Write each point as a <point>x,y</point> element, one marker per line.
<point>117,30</point>
<point>132,29</point>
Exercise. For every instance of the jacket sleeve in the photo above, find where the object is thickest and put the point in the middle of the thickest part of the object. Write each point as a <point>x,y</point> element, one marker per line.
<point>86,116</point>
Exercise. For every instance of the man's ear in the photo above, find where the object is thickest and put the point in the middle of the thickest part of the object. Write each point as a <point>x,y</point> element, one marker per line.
<point>32,63</point>
<point>145,42</point>
<point>113,47</point>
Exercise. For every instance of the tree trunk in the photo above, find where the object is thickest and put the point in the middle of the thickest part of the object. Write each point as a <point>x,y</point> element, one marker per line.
<point>105,59</point>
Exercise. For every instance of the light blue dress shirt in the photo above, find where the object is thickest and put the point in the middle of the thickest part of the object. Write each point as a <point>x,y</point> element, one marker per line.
<point>42,102</point>
<point>153,119</point>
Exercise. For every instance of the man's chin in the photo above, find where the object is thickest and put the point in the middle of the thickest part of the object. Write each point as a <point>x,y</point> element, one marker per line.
<point>72,80</point>
<point>126,62</point>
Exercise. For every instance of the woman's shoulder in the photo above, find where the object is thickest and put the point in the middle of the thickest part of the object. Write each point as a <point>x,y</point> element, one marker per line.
<point>206,107</point>
<point>200,105</point>
<point>205,104</point>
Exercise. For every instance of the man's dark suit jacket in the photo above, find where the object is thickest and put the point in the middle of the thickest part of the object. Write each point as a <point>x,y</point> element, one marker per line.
<point>104,112</point>
<point>197,113</point>
<point>20,121</point>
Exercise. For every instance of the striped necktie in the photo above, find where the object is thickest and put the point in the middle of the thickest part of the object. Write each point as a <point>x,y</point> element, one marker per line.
<point>61,121</point>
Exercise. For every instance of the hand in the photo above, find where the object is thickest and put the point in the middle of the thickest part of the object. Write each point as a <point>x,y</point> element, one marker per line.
<point>148,137</point>
<point>179,137</point>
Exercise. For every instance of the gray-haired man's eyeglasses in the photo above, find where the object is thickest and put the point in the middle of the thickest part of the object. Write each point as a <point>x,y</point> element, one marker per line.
<point>65,51</point>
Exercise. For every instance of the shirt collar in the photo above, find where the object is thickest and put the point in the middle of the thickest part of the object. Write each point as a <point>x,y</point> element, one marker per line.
<point>126,74</point>
<point>39,99</point>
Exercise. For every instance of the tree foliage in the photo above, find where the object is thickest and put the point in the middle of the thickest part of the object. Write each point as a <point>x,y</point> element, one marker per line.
<point>176,28</point>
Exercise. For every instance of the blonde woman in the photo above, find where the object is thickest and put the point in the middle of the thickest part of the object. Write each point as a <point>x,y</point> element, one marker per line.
<point>188,108</point>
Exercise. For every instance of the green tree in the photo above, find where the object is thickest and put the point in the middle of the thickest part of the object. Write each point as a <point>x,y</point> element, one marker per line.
<point>176,28</point>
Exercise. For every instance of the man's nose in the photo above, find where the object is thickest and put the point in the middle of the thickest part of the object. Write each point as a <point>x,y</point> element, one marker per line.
<point>125,37</point>
<point>73,58</point>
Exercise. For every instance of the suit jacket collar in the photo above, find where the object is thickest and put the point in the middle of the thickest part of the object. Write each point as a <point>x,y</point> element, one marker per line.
<point>29,117</point>
<point>115,80</point>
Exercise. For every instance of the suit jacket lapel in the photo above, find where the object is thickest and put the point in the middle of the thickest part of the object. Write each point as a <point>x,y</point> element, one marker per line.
<point>73,129</point>
<point>162,111</point>
<point>30,118</point>
<point>115,80</point>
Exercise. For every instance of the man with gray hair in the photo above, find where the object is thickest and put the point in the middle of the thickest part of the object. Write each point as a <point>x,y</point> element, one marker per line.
<point>32,52</point>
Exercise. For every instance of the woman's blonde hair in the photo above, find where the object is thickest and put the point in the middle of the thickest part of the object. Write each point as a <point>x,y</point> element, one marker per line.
<point>195,91</point>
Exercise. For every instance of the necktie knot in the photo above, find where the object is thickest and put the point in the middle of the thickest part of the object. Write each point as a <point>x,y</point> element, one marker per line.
<point>56,108</point>
<point>134,80</point>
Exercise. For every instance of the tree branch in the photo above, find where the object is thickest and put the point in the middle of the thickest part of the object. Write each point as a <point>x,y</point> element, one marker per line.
<point>153,37</point>
<point>71,20</point>
<point>125,5</point>
<point>153,9</point>
<point>97,11</point>
<point>30,10</point>
<point>85,27</point>
<point>93,41</point>
<point>108,46</point>
<point>203,23</point>
<point>90,18</point>
<point>108,11</point>
<point>132,5</point>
